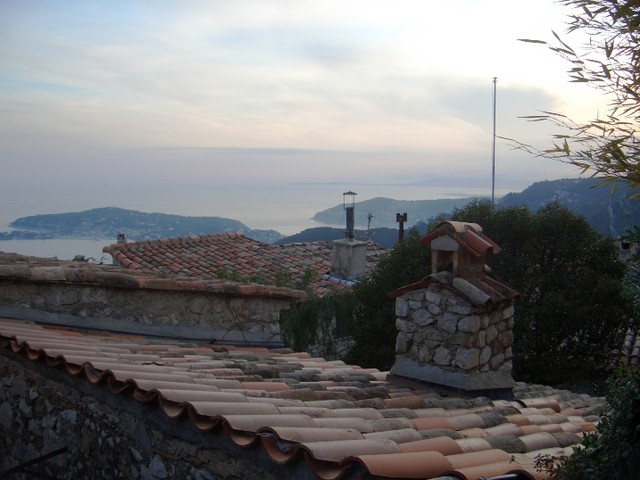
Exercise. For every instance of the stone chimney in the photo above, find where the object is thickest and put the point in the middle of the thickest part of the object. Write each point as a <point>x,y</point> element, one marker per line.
<point>455,327</point>
<point>349,259</point>
<point>349,256</point>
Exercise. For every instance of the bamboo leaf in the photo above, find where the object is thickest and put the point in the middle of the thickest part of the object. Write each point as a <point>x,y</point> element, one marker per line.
<point>608,48</point>
<point>571,52</point>
<point>531,40</point>
<point>561,50</point>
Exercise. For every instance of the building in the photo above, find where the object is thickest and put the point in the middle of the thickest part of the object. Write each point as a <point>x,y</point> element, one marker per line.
<point>232,256</point>
<point>82,398</point>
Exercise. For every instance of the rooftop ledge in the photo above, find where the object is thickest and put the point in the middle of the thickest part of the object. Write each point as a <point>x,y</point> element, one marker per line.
<point>111,277</point>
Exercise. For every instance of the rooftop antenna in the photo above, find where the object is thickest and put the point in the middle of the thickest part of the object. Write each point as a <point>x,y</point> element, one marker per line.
<point>369,217</point>
<point>493,147</point>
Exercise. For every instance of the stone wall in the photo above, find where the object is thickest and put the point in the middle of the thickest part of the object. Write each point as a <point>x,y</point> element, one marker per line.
<point>102,435</point>
<point>180,308</point>
<point>445,339</point>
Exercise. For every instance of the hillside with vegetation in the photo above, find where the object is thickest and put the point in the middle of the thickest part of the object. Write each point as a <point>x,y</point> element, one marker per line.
<point>385,236</point>
<point>610,211</point>
<point>109,222</point>
<point>383,211</point>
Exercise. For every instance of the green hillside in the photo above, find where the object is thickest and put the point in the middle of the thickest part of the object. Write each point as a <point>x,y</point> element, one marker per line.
<point>108,222</point>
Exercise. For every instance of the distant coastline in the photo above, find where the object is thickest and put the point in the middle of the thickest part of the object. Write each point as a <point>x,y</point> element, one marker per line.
<point>86,233</point>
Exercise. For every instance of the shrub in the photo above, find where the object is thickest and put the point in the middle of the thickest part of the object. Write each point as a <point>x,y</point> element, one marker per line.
<point>613,451</point>
<point>373,327</point>
<point>571,315</point>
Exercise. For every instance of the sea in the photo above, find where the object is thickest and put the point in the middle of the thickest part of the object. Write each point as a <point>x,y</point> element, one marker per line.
<point>287,209</point>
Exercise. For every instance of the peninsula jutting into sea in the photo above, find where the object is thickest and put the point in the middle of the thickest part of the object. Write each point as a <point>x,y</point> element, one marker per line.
<point>610,212</point>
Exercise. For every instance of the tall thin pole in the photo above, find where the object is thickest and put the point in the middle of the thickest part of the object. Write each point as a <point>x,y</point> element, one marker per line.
<point>493,147</point>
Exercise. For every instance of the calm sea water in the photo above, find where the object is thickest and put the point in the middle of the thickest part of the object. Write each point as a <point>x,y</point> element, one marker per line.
<point>287,208</point>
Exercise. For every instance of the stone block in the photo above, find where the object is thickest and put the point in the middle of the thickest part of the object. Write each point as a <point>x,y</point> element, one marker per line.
<point>448,322</point>
<point>422,317</point>
<point>485,355</point>
<point>469,324</point>
<point>495,317</point>
<point>481,339</point>
<point>506,338</point>
<point>442,356</point>
<point>492,334</point>
<point>508,311</point>
<point>402,307</point>
<point>403,343</point>
<point>496,361</point>
<point>415,304</point>
<point>434,309</point>
<point>433,297</point>
<point>467,359</point>
<point>430,336</point>
<point>456,340</point>
<point>425,355</point>
<point>462,307</point>
<point>404,325</point>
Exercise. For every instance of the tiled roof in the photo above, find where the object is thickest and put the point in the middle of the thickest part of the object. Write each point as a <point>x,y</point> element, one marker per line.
<point>53,271</point>
<point>233,254</point>
<point>468,235</point>
<point>337,419</point>
<point>479,291</point>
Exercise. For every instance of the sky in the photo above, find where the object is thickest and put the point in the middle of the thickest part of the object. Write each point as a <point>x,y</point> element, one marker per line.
<point>155,104</point>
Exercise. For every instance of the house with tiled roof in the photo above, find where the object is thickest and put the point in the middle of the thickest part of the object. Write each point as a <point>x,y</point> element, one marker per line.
<point>234,256</point>
<point>82,398</point>
<point>134,300</point>
<point>79,403</point>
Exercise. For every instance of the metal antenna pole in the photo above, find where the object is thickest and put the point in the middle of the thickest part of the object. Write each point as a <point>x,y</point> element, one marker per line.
<point>493,147</point>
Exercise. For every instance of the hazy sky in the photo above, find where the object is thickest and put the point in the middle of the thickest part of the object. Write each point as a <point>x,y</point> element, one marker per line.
<point>104,100</point>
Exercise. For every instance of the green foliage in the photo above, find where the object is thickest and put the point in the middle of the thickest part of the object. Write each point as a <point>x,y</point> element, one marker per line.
<point>317,321</point>
<point>613,451</point>
<point>373,326</point>
<point>606,146</point>
<point>632,278</point>
<point>230,276</point>
<point>571,315</point>
<point>281,279</point>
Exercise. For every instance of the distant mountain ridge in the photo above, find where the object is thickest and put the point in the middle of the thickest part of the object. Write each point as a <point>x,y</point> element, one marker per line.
<point>108,222</point>
<point>609,212</point>
<point>383,211</point>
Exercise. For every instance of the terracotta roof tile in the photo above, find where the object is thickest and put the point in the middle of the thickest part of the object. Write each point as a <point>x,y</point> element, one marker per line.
<point>324,423</point>
<point>224,255</point>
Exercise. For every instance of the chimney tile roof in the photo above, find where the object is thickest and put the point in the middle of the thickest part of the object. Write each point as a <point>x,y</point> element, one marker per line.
<point>335,418</point>
<point>233,255</point>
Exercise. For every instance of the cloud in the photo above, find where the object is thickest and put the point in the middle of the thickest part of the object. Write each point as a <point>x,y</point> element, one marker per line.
<point>314,90</point>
